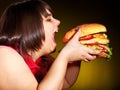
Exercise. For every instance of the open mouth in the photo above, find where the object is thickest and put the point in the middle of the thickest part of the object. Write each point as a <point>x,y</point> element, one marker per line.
<point>53,38</point>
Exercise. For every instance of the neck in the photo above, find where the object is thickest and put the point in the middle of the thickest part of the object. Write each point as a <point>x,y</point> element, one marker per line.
<point>35,55</point>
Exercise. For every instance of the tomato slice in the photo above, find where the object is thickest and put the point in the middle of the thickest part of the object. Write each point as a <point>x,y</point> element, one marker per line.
<point>88,37</point>
<point>91,44</point>
<point>103,47</point>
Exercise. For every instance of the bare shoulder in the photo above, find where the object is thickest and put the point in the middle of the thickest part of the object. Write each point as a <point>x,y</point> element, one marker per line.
<point>15,69</point>
<point>8,51</point>
<point>8,54</point>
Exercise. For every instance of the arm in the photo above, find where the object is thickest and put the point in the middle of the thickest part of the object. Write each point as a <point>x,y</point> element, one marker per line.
<point>71,74</point>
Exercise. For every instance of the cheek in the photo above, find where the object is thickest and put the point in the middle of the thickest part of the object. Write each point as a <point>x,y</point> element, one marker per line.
<point>47,36</point>
<point>48,28</point>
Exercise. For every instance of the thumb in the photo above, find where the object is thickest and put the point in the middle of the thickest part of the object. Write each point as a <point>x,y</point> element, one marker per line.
<point>77,34</point>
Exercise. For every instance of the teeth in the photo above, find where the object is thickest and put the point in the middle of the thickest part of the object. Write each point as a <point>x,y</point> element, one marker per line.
<point>56,30</point>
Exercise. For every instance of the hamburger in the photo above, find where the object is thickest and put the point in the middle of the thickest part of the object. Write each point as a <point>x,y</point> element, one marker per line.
<point>93,35</point>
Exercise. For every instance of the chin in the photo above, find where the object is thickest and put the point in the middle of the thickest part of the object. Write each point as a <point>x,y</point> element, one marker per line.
<point>53,50</point>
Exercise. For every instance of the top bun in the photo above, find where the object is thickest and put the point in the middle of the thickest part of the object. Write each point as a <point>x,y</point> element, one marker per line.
<point>86,29</point>
<point>91,28</point>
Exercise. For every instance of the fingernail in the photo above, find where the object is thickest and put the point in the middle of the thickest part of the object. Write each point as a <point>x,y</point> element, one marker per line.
<point>78,29</point>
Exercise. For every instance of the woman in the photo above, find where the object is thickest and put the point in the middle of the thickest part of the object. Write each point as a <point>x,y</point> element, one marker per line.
<point>27,31</point>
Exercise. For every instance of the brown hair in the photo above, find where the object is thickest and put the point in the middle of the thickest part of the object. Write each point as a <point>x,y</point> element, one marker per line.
<point>21,25</point>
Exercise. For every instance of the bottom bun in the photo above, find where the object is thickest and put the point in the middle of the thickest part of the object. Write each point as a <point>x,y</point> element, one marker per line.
<point>103,55</point>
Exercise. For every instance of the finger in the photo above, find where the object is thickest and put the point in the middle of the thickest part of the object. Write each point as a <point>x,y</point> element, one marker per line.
<point>88,56</point>
<point>86,60</point>
<point>94,52</point>
<point>77,34</point>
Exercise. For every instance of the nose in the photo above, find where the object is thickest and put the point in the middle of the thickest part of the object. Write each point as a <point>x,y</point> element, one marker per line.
<point>57,22</point>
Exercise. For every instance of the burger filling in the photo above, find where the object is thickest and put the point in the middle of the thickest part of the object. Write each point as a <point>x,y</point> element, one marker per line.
<point>97,41</point>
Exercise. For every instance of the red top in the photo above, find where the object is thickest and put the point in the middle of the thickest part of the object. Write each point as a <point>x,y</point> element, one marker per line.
<point>38,68</point>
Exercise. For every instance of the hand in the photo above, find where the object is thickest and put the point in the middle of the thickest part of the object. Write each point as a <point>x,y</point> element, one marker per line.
<point>73,50</point>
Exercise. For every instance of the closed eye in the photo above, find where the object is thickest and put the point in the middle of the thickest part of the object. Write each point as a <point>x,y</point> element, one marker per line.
<point>49,19</point>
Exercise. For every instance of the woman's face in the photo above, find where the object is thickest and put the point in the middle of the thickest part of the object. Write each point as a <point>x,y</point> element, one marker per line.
<point>50,25</point>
